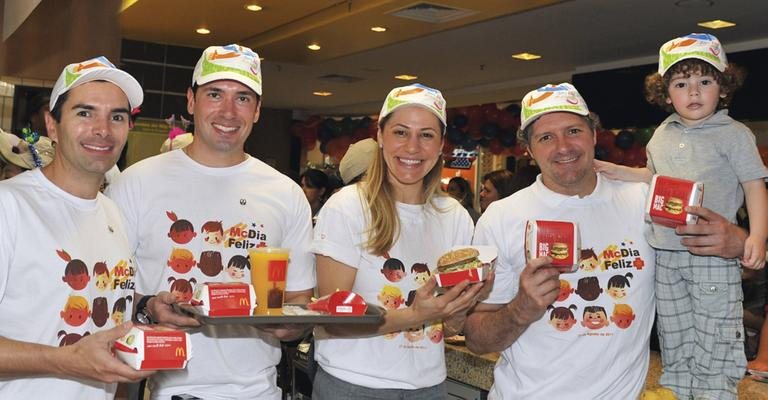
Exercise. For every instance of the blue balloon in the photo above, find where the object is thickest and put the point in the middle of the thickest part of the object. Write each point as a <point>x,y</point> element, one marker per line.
<point>454,135</point>
<point>624,140</point>
<point>460,120</point>
<point>490,130</point>
<point>601,153</point>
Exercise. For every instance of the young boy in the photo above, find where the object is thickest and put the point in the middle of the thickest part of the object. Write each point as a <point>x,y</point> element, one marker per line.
<point>699,298</point>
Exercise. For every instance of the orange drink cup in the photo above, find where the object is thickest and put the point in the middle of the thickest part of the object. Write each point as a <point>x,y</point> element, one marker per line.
<point>268,270</point>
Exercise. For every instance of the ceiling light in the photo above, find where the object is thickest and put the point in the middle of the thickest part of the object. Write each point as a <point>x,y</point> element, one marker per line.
<point>322,93</point>
<point>406,77</point>
<point>253,7</point>
<point>716,24</point>
<point>526,56</point>
<point>202,31</point>
<point>313,46</point>
<point>378,29</point>
<point>694,3</point>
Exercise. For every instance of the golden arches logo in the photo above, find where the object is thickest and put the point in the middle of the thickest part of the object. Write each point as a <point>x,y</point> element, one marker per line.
<point>180,352</point>
<point>243,301</point>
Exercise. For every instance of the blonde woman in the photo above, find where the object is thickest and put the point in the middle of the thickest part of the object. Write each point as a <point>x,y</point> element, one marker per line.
<point>368,235</point>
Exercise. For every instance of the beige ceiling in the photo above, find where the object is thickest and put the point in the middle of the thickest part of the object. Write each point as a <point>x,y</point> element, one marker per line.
<point>467,58</point>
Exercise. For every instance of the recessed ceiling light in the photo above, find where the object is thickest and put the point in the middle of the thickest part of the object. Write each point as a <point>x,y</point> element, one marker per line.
<point>716,24</point>
<point>202,31</point>
<point>694,3</point>
<point>378,29</point>
<point>253,7</point>
<point>322,94</point>
<point>526,56</point>
<point>406,77</point>
<point>313,46</point>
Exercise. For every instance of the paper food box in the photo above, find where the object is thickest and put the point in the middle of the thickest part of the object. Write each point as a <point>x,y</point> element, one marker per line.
<point>224,299</point>
<point>461,263</point>
<point>147,347</point>
<point>557,239</point>
<point>668,198</point>
<point>340,302</point>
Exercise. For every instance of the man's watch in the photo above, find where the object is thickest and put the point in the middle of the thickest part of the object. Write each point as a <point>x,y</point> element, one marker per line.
<point>142,311</point>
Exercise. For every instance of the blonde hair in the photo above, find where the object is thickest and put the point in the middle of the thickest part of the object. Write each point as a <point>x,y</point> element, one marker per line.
<point>378,195</point>
<point>181,254</point>
<point>76,303</point>
<point>392,291</point>
<point>622,309</point>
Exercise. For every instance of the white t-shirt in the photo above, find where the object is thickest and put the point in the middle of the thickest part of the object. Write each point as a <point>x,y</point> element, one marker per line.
<point>599,349</point>
<point>65,273</point>
<point>402,360</point>
<point>188,223</point>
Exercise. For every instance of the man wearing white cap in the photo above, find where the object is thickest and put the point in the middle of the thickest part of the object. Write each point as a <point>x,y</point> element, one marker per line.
<point>567,334</point>
<point>167,200</point>
<point>55,331</point>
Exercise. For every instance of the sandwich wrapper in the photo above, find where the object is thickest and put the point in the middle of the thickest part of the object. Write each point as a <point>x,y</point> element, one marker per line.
<point>224,299</point>
<point>668,197</point>
<point>147,347</point>
<point>557,239</point>
<point>487,257</point>
<point>341,302</point>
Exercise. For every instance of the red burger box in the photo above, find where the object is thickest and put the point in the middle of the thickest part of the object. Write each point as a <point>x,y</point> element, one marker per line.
<point>557,239</point>
<point>487,257</point>
<point>147,347</point>
<point>224,299</point>
<point>668,197</point>
<point>340,302</point>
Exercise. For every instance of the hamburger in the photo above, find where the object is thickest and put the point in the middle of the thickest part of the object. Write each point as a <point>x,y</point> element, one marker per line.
<point>559,251</point>
<point>673,206</point>
<point>459,260</point>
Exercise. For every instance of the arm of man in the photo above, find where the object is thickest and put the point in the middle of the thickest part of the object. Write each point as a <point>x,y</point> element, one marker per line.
<point>713,235</point>
<point>91,358</point>
<point>494,327</point>
<point>333,275</point>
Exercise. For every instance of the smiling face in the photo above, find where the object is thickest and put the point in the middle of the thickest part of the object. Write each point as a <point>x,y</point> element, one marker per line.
<point>694,96</point>
<point>595,320</point>
<point>224,113</point>
<point>412,141</point>
<point>92,131</point>
<point>563,145</point>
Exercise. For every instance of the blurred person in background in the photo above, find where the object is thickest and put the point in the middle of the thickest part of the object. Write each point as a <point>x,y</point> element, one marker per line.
<point>314,183</point>
<point>459,189</point>
<point>496,185</point>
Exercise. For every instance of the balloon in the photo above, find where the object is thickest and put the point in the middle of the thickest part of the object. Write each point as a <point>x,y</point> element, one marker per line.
<point>513,109</point>
<point>325,132</point>
<point>468,143</point>
<point>495,146</point>
<point>601,153</point>
<point>616,155</point>
<point>448,149</point>
<point>632,156</point>
<point>509,138</point>
<point>490,130</point>
<point>460,120</point>
<point>518,151</point>
<point>644,136</point>
<point>364,122</point>
<point>624,140</point>
<point>309,134</point>
<point>475,115</point>
<point>506,120</point>
<point>605,139</point>
<point>454,135</point>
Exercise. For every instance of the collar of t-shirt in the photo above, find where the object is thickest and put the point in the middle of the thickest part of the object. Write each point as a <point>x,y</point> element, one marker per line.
<point>554,199</point>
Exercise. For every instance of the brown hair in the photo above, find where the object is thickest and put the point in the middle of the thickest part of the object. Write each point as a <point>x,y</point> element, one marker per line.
<point>730,80</point>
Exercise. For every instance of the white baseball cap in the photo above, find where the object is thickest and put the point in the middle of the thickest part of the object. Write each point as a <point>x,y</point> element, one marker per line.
<point>418,95</point>
<point>702,46</point>
<point>551,98</point>
<point>232,62</point>
<point>357,158</point>
<point>97,69</point>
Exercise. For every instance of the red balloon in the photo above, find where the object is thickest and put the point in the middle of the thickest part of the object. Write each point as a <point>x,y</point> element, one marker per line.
<point>517,150</point>
<point>475,115</point>
<point>632,157</point>
<point>606,139</point>
<point>490,112</point>
<point>616,155</point>
<point>359,134</point>
<point>506,120</point>
<point>309,134</point>
<point>495,146</point>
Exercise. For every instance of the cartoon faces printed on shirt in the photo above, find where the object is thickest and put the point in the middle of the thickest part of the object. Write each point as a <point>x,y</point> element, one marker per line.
<point>622,316</point>
<point>393,270</point>
<point>68,339</point>
<point>76,311</point>
<point>181,260</point>
<point>118,309</point>
<point>101,276</point>
<point>588,288</point>
<point>213,233</point>
<point>588,261</point>
<point>562,318</point>
<point>618,286</point>
<point>594,317</point>
<point>75,272</point>
<point>236,267</point>
<point>181,289</point>
<point>182,231</point>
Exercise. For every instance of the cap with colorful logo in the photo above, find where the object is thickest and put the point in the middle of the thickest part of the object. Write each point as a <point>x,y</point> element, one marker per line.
<point>233,62</point>
<point>551,98</point>
<point>97,69</point>
<point>415,95</point>
<point>702,46</point>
